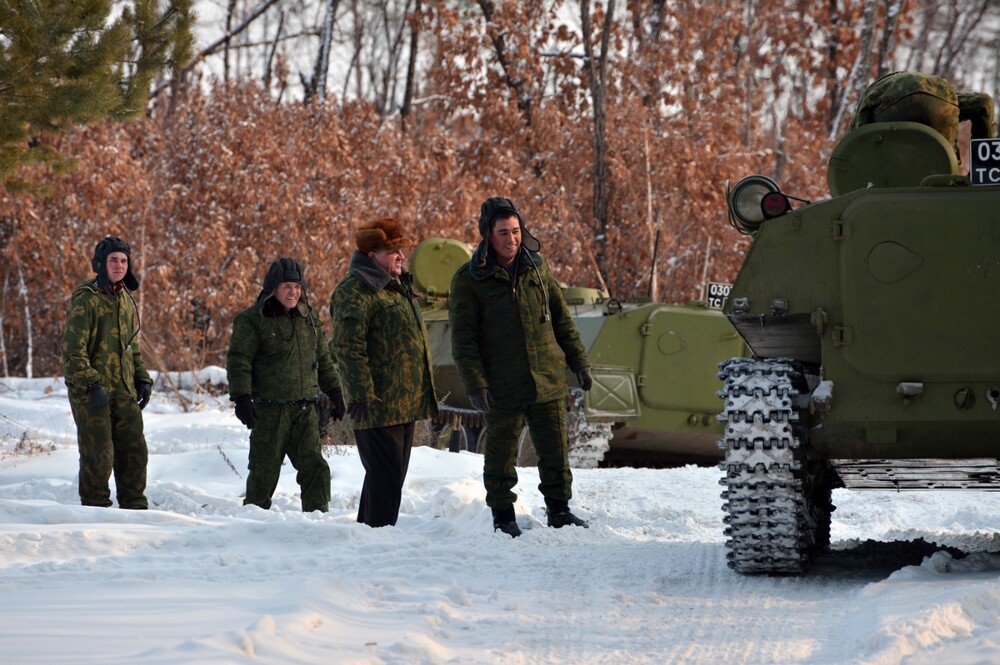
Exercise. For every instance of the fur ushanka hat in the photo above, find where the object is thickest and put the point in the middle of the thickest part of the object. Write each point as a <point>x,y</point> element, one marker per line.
<point>99,263</point>
<point>382,234</point>
<point>498,207</point>
<point>283,270</point>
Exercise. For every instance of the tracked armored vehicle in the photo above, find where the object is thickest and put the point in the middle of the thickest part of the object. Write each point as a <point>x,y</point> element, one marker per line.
<point>873,321</point>
<point>654,397</point>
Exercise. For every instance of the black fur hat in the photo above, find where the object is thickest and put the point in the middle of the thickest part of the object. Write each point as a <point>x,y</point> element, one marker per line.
<point>282,270</point>
<point>99,263</point>
<point>498,207</point>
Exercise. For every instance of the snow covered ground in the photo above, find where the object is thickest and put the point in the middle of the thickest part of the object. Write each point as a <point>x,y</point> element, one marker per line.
<point>202,579</point>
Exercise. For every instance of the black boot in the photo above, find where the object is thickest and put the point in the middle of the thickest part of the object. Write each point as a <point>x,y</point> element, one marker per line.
<point>559,515</point>
<point>503,520</point>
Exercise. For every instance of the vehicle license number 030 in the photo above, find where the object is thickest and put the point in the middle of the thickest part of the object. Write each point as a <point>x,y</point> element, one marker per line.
<point>717,293</point>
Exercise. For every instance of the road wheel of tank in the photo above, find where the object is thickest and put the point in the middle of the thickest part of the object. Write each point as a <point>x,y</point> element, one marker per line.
<point>587,442</point>
<point>821,480</point>
<point>451,438</point>
<point>477,435</point>
<point>778,505</point>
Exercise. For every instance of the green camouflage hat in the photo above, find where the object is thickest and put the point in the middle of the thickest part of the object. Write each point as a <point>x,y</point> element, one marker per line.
<point>913,97</point>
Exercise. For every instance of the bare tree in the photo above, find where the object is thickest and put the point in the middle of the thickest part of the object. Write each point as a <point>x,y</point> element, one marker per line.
<point>411,67</point>
<point>316,86</point>
<point>3,337</point>
<point>272,50</point>
<point>887,45</point>
<point>597,77</point>
<point>22,289</point>
<point>223,43</point>
<point>357,40</point>
<point>230,11</point>
<point>859,76</point>
<point>952,39</point>
<point>384,70</point>
<point>957,30</point>
<point>516,79</point>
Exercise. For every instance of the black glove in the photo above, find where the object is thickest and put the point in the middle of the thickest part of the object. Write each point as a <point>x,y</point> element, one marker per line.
<point>98,396</point>
<point>481,400</point>
<point>143,390</point>
<point>585,378</point>
<point>336,397</point>
<point>245,411</point>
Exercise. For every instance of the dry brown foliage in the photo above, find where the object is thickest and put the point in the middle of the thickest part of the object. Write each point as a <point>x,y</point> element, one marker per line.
<point>212,186</point>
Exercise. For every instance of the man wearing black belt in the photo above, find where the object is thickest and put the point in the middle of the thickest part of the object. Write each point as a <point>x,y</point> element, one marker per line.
<point>278,361</point>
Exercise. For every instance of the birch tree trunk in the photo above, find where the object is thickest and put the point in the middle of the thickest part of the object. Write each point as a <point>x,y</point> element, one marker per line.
<point>322,67</point>
<point>3,308</point>
<point>22,288</point>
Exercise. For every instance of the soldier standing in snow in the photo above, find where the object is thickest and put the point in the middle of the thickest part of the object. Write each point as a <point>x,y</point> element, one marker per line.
<point>107,380</point>
<point>381,346</point>
<point>278,361</point>
<point>512,336</point>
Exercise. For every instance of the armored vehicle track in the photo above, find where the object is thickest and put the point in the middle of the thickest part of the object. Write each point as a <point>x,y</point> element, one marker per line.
<point>777,503</point>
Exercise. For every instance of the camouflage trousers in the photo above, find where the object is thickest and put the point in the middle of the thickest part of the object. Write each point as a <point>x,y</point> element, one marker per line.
<point>547,425</point>
<point>110,440</point>
<point>292,430</point>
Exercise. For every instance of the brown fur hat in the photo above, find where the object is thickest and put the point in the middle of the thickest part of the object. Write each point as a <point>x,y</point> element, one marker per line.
<point>382,234</point>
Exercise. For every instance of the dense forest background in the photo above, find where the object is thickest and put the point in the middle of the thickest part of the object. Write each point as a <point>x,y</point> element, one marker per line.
<point>613,125</point>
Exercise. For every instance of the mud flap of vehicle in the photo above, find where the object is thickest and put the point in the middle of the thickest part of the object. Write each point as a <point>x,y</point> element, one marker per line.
<point>614,396</point>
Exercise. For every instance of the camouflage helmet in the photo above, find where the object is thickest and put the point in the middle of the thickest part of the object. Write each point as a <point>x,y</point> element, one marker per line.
<point>910,96</point>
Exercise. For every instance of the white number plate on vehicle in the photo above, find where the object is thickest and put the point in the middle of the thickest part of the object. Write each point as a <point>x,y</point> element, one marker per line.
<point>717,294</point>
<point>984,155</point>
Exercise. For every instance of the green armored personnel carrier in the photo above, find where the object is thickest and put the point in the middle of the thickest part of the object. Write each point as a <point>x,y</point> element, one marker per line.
<point>873,321</point>
<point>654,397</point>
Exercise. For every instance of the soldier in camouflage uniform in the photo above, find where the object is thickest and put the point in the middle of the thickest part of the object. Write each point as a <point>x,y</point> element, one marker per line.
<point>381,346</point>
<point>107,380</point>
<point>278,361</point>
<point>927,99</point>
<point>512,336</point>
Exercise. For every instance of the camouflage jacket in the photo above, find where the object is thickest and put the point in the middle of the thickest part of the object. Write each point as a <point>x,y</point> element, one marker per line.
<point>381,346</point>
<point>514,336</point>
<point>101,342</point>
<point>279,356</point>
